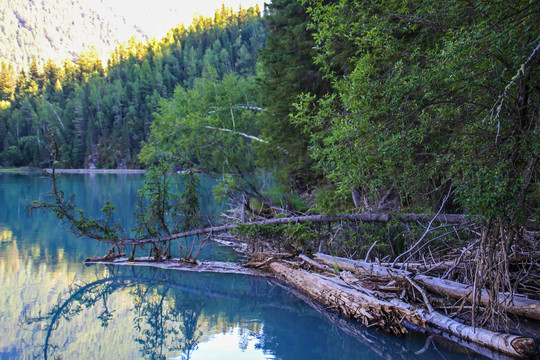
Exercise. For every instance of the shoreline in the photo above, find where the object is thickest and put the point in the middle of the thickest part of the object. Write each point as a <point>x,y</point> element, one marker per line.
<point>95,171</point>
<point>83,171</point>
<point>71,171</point>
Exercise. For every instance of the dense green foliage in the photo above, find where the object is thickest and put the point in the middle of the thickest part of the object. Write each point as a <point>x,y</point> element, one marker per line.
<point>157,205</point>
<point>207,126</point>
<point>215,128</point>
<point>429,99</point>
<point>405,105</point>
<point>102,114</point>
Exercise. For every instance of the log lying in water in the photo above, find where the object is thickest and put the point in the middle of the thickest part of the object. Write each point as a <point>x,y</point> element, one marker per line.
<point>510,344</point>
<point>389,315</point>
<point>518,305</point>
<point>108,257</point>
<point>337,295</point>
<point>180,265</point>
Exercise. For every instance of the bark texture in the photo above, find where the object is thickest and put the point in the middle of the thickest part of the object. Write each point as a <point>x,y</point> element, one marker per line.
<point>517,305</point>
<point>364,305</point>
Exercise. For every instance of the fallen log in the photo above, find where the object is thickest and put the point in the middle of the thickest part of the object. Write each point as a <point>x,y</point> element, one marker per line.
<point>335,294</point>
<point>514,304</point>
<point>389,315</point>
<point>488,353</point>
<point>377,343</point>
<point>314,264</point>
<point>441,265</point>
<point>367,217</point>
<point>535,255</point>
<point>108,257</point>
<point>180,265</point>
<point>517,305</point>
<point>444,265</point>
<point>514,345</point>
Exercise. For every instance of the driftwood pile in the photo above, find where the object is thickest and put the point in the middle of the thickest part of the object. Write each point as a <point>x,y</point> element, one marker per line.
<point>390,298</point>
<point>433,294</point>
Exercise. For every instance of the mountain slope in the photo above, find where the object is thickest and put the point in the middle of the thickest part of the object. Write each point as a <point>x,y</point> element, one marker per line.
<point>58,30</point>
<point>102,115</point>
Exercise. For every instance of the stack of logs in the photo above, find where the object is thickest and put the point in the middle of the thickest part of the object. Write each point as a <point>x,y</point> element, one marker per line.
<point>376,295</point>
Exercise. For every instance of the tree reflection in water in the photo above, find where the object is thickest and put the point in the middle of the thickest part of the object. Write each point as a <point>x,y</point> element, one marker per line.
<point>162,313</point>
<point>164,327</point>
<point>164,322</point>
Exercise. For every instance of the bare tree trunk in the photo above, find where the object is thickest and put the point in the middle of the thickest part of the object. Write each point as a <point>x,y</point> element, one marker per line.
<point>334,293</point>
<point>367,217</point>
<point>389,315</point>
<point>518,305</point>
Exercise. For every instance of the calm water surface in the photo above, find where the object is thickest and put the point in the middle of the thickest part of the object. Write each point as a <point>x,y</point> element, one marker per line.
<point>52,306</point>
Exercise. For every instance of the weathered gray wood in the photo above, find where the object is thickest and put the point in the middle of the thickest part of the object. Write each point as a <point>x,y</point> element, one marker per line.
<point>518,305</point>
<point>334,293</point>
<point>389,314</point>
<point>314,264</point>
<point>514,345</point>
<point>177,264</point>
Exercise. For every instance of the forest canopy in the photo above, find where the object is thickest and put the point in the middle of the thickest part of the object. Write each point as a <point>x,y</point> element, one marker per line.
<point>59,30</point>
<point>102,114</point>
<point>377,118</point>
<point>373,106</point>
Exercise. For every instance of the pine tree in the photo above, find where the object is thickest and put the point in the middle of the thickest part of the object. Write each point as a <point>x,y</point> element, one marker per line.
<point>288,71</point>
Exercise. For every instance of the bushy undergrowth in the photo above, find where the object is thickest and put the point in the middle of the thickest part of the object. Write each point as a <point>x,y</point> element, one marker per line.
<point>353,239</point>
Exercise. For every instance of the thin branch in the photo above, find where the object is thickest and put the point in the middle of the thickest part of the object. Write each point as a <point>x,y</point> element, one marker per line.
<point>421,291</point>
<point>58,117</point>
<point>501,98</point>
<point>239,106</point>
<point>246,136</point>
<point>371,217</point>
<point>426,232</point>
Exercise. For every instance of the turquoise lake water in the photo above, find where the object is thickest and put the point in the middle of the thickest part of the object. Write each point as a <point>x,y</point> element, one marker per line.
<point>53,306</point>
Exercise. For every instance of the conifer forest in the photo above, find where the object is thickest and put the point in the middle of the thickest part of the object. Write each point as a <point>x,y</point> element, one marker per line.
<point>425,113</point>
